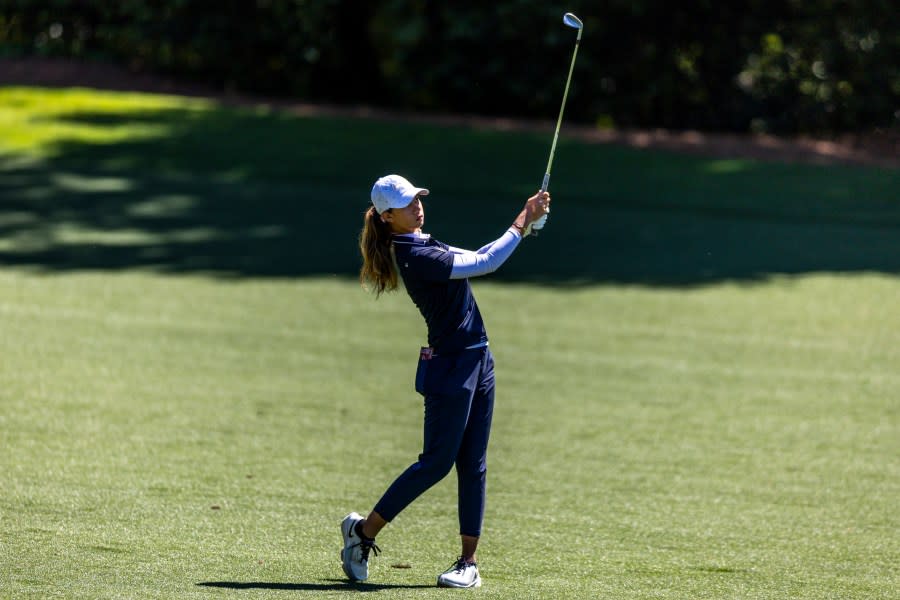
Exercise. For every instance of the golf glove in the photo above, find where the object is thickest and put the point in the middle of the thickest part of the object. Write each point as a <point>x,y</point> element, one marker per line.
<point>537,225</point>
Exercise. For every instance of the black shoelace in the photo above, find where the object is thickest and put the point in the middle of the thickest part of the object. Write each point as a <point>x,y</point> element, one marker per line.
<point>368,545</point>
<point>461,565</point>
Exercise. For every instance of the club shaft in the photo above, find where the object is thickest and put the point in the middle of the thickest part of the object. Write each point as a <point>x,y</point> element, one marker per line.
<point>562,109</point>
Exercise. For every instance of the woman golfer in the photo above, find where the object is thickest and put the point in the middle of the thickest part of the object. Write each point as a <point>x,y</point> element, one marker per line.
<point>455,372</point>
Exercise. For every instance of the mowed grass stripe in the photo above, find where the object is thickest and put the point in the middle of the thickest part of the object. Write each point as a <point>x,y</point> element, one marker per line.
<point>653,334</point>
<point>647,342</point>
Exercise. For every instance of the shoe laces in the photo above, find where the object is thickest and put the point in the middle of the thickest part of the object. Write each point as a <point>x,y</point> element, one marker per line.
<point>461,564</point>
<point>368,545</point>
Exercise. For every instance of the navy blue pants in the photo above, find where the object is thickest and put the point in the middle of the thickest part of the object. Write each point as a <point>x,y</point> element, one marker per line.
<point>459,405</point>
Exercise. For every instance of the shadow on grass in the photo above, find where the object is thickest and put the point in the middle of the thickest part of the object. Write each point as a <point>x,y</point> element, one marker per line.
<point>241,193</point>
<point>332,585</point>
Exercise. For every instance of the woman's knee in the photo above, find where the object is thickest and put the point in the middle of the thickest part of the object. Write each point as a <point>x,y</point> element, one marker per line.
<point>434,466</point>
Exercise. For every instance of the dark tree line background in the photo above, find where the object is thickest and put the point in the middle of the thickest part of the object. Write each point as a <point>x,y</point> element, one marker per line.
<point>788,66</point>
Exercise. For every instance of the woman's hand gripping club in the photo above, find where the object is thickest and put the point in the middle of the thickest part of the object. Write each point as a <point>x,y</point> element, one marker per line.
<point>536,209</point>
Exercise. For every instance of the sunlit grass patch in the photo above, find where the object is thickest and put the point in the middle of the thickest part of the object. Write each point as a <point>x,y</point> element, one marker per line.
<point>39,121</point>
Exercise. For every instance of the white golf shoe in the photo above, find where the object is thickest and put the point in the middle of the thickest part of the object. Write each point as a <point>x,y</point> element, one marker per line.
<point>355,555</point>
<point>461,575</point>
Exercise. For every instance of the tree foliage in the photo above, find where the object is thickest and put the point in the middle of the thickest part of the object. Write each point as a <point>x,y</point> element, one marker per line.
<point>758,65</point>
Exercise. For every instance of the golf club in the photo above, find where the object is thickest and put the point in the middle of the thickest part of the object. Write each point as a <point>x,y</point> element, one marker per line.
<point>571,21</point>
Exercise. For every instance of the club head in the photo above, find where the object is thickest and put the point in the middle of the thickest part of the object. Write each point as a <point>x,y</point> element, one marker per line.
<point>572,21</point>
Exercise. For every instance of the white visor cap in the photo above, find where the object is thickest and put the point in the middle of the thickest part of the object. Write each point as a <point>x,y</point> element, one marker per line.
<point>394,191</point>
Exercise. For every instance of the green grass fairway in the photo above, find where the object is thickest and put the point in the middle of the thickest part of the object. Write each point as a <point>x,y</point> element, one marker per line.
<point>698,362</point>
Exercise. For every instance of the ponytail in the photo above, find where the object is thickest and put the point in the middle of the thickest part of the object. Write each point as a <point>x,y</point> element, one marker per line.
<point>378,272</point>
